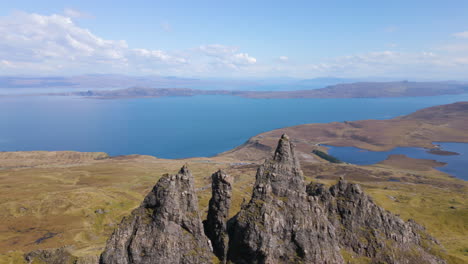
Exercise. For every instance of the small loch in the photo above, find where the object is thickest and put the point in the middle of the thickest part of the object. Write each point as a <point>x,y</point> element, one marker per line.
<point>454,154</point>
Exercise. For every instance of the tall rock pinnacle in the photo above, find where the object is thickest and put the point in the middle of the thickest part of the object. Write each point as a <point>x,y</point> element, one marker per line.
<point>218,213</point>
<point>166,228</point>
<point>279,225</point>
<point>282,174</point>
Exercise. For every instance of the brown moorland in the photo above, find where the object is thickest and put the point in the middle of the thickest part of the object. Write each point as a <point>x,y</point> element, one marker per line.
<point>76,200</point>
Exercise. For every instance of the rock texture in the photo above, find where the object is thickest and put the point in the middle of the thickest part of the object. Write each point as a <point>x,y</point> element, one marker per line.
<point>58,256</point>
<point>218,213</point>
<point>368,230</point>
<point>166,228</point>
<point>285,221</point>
<point>279,225</point>
<point>51,256</point>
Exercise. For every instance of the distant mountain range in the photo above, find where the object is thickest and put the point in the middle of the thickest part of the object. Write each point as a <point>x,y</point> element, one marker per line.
<point>351,90</point>
<point>115,81</point>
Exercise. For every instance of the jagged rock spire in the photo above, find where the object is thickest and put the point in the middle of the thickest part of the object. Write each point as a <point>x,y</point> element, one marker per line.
<point>279,225</point>
<point>285,151</point>
<point>218,213</point>
<point>282,174</point>
<point>166,228</point>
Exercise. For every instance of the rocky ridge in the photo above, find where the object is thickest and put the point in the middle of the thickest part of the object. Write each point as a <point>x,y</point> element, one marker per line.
<point>286,221</point>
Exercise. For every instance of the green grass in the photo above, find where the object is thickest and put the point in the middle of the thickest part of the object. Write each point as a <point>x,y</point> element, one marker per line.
<point>64,200</point>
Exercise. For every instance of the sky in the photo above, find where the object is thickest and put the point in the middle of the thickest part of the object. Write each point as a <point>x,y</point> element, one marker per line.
<point>236,39</point>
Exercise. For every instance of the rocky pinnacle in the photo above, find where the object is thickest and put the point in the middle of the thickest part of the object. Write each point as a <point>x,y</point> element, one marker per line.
<point>279,225</point>
<point>218,213</point>
<point>285,221</point>
<point>166,228</point>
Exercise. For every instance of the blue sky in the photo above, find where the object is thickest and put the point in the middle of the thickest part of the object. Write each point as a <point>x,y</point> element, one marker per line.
<point>238,39</point>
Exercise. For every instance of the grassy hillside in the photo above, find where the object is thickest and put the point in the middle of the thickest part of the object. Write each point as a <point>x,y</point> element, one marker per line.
<point>80,204</point>
<point>55,199</point>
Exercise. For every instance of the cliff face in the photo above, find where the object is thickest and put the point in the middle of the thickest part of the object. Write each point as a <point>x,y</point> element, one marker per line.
<point>284,222</point>
<point>166,228</point>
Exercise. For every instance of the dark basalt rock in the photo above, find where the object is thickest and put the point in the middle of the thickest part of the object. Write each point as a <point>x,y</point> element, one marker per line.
<point>279,224</point>
<point>166,228</point>
<point>370,231</point>
<point>218,213</point>
<point>285,221</point>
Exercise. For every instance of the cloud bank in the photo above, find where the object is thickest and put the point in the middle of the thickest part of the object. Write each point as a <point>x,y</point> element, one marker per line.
<point>34,44</point>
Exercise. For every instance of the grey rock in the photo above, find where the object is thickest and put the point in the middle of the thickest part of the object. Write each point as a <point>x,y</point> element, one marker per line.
<point>288,222</point>
<point>368,230</point>
<point>58,256</point>
<point>166,228</point>
<point>279,225</point>
<point>218,213</point>
<point>285,221</point>
<point>51,256</point>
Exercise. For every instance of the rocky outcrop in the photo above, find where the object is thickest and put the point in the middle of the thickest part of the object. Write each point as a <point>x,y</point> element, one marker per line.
<point>218,213</point>
<point>279,224</point>
<point>368,230</point>
<point>58,256</point>
<point>166,228</point>
<point>51,256</point>
<point>285,221</point>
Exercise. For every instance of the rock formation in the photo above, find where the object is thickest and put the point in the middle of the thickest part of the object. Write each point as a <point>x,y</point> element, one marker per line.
<point>368,230</point>
<point>58,256</point>
<point>279,224</point>
<point>285,221</point>
<point>218,213</point>
<point>166,228</point>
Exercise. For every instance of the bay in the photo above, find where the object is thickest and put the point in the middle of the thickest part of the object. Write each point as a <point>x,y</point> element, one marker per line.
<point>176,127</point>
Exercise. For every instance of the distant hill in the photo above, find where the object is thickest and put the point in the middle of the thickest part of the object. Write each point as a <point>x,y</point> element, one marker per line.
<point>173,86</point>
<point>371,90</point>
<point>351,90</point>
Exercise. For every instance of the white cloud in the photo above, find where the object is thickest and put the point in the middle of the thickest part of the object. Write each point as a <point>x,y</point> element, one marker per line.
<point>34,43</point>
<point>283,59</point>
<point>227,56</point>
<point>463,35</point>
<point>54,44</point>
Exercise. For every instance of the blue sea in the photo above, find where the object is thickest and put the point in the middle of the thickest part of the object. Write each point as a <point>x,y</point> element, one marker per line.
<point>176,127</point>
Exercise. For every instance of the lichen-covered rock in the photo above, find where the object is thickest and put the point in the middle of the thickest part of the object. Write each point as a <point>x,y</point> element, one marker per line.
<point>51,256</point>
<point>218,213</point>
<point>279,224</point>
<point>166,228</point>
<point>368,230</point>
